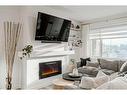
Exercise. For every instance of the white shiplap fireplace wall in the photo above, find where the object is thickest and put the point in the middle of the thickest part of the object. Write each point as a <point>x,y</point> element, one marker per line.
<point>32,72</point>
<point>43,53</point>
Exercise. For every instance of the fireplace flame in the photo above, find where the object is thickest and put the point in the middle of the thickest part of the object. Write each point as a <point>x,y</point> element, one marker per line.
<point>49,72</point>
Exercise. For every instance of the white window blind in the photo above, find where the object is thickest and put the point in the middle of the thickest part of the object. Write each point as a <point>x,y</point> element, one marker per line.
<point>111,32</point>
<point>109,42</point>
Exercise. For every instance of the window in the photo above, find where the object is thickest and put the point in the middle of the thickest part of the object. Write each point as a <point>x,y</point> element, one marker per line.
<point>114,48</point>
<point>108,44</point>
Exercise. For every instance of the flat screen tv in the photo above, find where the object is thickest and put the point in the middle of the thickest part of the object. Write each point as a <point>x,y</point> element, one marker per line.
<point>52,29</point>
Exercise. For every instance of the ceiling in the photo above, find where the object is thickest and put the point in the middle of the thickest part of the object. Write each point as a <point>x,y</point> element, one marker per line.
<point>91,13</point>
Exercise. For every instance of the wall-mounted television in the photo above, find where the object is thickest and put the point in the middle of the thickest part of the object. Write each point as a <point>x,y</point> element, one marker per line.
<point>51,28</point>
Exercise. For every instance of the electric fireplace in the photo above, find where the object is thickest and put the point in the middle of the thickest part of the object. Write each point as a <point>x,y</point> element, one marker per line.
<point>48,69</point>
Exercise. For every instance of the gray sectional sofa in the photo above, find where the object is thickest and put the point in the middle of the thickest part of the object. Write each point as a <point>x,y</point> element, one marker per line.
<point>113,75</point>
<point>108,67</point>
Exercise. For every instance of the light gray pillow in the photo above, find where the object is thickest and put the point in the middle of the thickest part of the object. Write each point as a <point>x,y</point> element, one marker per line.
<point>100,79</point>
<point>123,67</point>
<point>101,73</point>
<point>111,65</point>
<point>87,83</point>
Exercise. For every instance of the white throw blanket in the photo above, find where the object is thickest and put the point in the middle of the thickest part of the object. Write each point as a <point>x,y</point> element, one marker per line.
<point>117,83</point>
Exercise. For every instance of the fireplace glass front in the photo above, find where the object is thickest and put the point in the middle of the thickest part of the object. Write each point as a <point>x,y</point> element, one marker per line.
<point>48,69</point>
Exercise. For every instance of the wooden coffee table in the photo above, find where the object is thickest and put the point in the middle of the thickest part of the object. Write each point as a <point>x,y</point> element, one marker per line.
<point>60,83</point>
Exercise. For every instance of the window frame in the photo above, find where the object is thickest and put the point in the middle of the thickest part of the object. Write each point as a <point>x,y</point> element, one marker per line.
<point>101,48</point>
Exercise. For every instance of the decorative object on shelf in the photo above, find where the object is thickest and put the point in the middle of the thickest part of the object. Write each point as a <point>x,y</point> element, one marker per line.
<point>11,33</point>
<point>77,27</point>
<point>26,51</point>
<point>76,43</point>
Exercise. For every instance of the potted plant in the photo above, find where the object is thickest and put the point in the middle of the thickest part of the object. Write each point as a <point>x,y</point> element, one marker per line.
<point>26,51</point>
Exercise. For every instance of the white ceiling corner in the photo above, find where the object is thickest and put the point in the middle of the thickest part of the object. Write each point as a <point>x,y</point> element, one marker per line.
<point>87,14</point>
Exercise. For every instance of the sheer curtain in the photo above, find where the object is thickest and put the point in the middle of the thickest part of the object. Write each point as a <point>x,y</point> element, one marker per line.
<point>85,50</point>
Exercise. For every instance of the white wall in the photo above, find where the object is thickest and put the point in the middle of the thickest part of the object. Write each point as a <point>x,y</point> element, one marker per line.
<point>77,54</point>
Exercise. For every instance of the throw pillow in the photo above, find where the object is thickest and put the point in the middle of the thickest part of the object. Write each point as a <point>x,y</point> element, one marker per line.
<point>87,82</point>
<point>101,73</point>
<point>84,61</point>
<point>106,64</point>
<point>90,82</point>
<point>100,79</point>
<point>123,67</point>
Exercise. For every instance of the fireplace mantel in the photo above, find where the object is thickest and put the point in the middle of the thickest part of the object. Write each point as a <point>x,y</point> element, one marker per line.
<point>44,54</point>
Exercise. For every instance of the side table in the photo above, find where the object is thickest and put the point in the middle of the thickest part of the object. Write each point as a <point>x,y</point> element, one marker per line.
<point>67,77</point>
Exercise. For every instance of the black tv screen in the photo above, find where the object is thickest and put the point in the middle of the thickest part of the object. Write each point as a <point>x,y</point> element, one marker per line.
<point>51,28</point>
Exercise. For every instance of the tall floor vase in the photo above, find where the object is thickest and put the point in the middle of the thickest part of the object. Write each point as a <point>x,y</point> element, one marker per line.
<point>8,83</point>
<point>11,33</point>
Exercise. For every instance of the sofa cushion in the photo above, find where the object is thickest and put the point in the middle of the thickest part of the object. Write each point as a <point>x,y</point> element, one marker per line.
<point>92,71</point>
<point>111,65</point>
<point>116,84</point>
<point>93,64</point>
<point>107,71</point>
<point>123,67</point>
<point>114,75</point>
